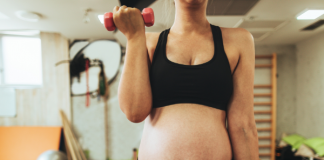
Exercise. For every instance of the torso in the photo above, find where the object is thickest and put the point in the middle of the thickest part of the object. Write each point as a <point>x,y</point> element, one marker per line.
<point>186,130</point>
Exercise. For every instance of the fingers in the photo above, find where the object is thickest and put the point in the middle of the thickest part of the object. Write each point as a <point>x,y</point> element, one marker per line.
<point>116,8</point>
<point>122,8</point>
<point>137,10</point>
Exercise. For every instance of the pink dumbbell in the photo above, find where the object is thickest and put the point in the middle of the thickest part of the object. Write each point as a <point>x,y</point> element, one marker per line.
<point>147,13</point>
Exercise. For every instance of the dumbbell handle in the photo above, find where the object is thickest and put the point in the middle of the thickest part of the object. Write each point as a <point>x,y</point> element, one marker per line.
<point>147,14</point>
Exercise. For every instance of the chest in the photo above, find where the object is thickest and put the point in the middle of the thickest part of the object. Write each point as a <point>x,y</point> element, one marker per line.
<point>190,50</point>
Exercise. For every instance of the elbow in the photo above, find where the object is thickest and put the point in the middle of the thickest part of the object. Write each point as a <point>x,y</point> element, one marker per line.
<point>245,128</point>
<point>135,117</point>
<point>250,130</point>
<point>135,113</point>
<point>252,127</point>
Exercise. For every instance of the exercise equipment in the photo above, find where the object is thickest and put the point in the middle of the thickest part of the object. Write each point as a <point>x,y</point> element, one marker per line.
<point>147,14</point>
<point>52,155</point>
<point>266,89</point>
<point>105,58</point>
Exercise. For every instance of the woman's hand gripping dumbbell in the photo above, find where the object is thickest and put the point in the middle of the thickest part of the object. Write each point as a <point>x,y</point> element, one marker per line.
<point>128,20</point>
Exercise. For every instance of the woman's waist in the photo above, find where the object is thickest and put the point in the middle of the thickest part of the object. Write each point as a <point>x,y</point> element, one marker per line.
<point>184,129</point>
<point>187,115</point>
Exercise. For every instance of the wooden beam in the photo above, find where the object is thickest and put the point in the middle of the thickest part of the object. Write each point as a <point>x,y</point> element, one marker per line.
<point>265,137</point>
<point>262,103</point>
<point>264,129</point>
<point>263,120</point>
<point>73,144</point>
<point>68,137</point>
<point>262,112</point>
<point>263,65</point>
<point>262,86</point>
<point>264,154</point>
<point>274,104</point>
<point>262,95</point>
<point>264,145</point>
<point>263,56</point>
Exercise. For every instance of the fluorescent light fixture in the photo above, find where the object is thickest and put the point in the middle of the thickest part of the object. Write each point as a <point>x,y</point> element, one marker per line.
<point>310,14</point>
<point>101,18</point>
<point>3,16</point>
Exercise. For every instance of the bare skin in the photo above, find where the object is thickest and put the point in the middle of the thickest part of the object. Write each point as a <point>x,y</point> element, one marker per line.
<point>191,131</point>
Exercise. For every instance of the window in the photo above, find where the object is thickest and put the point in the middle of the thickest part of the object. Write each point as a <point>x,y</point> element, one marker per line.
<point>20,61</point>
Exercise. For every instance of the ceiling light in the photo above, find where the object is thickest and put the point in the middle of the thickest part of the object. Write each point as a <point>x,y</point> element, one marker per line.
<point>3,16</point>
<point>100,17</point>
<point>28,16</point>
<point>310,14</point>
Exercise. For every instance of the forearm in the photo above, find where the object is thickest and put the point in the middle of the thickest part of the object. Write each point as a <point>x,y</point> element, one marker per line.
<point>244,140</point>
<point>134,91</point>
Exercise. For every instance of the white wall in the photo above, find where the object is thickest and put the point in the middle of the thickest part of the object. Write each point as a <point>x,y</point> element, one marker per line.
<point>286,93</point>
<point>310,86</point>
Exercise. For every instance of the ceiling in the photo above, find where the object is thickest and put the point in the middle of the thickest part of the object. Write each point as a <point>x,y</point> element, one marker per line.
<point>271,22</point>
<point>229,7</point>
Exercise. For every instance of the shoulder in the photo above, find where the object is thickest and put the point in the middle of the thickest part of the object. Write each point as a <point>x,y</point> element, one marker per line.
<point>236,31</point>
<point>240,35</point>
<point>152,39</point>
<point>241,38</point>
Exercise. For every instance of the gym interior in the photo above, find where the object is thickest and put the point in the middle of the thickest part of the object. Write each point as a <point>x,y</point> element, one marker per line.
<point>60,69</point>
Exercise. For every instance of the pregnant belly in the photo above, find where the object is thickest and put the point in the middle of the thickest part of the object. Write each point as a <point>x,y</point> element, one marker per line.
<point>185,132</point>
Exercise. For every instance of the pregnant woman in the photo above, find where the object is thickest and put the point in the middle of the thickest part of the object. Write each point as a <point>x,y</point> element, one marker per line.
<point>191,83</point>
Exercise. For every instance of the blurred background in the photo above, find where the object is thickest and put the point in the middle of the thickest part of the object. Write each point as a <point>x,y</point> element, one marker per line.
<point>60,68</point>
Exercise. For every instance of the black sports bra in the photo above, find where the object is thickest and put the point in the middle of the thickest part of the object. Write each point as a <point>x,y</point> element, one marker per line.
<point>208,84</point>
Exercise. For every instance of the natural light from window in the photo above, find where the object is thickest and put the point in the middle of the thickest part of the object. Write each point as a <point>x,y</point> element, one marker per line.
<point>22,61</point>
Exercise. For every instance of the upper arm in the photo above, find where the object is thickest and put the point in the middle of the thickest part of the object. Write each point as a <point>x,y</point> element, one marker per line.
<point>151,42</point>
<point>241,107</point>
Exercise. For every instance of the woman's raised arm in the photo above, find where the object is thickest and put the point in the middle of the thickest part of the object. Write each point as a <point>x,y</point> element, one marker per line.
<point>134,90</point>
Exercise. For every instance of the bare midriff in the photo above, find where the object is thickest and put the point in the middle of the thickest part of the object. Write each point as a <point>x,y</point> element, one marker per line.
<point>185,131</point>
